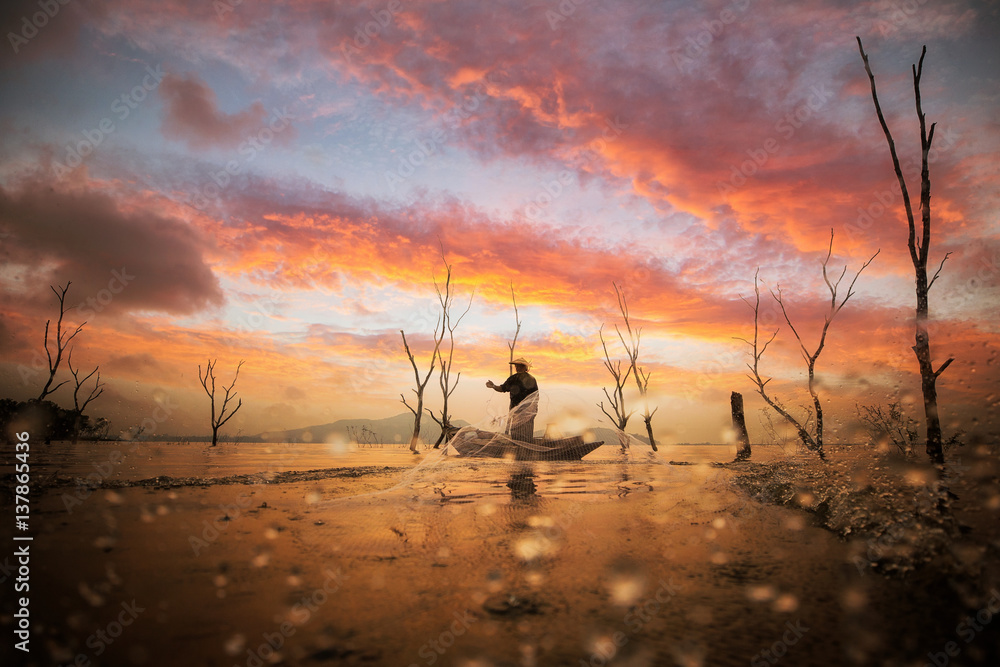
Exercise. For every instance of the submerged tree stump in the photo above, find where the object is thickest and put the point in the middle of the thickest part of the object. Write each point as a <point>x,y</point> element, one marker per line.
<point>740,426</point>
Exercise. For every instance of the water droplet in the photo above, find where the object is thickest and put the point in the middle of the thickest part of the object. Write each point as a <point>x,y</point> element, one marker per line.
<point>786,603</point>
<point>235,644</point>
<point>761,593</point>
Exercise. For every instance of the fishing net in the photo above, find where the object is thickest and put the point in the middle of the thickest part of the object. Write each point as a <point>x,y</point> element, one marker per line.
<point>488,470</point>
<point>515,439</point>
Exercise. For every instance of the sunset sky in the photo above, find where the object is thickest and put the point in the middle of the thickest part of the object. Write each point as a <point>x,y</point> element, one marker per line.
<point>274,182</point>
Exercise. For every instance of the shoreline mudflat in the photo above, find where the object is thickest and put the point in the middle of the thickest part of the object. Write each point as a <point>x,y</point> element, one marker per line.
<point>471,563</point>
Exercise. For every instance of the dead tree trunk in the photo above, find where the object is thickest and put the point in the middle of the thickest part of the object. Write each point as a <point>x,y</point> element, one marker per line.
<point>919,250</point>
<point>740,426</point>
<point>63,339</point>
<point>218,421</point>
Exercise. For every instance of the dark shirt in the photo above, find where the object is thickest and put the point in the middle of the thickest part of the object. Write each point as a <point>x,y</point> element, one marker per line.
<point>520,386</point>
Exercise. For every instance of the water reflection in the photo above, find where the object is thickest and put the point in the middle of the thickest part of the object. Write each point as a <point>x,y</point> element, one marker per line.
<point>522,485</point>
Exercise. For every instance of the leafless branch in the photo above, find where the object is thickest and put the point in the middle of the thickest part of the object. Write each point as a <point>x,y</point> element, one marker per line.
<point>218,420</point>
<point>640,375</point>
<point>517,321</point>
<point>94,393</point>
<point>62,341</point>
<point>938,272</point>
<point>617,397</point>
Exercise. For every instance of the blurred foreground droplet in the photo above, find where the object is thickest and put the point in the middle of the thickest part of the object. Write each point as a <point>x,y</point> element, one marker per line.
<point>786,603</point>
<point>761,593</point>
<point>534,546</point>
<point>234,645</point>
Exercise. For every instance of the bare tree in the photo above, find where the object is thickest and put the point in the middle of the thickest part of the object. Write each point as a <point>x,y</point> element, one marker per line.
<point>62,341</point>
<point>79,407</point>
<point>889,425</point>
<point>758,349</point>
<point>616,398</point>
<point>811,357</point>
<point>640,375</point>
<point>418,410</point>
<point>209,379</point>
<point>813,442</point>
<point>446,300</point>
<point>365,436</point>
<point>919,253</point>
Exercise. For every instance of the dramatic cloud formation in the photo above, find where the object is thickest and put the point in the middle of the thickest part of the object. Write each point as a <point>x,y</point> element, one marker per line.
<point>286,194</point>
<point>93,238</point>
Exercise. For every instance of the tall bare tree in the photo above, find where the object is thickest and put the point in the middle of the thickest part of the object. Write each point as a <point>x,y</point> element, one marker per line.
<point>810,441</point>
<point>919,255</point>
<point>638,373</point>
<point>79,407</point>
<point>218,420</point>
<point>616,398</point>
<point>446,299</point>
<point>62,341</point>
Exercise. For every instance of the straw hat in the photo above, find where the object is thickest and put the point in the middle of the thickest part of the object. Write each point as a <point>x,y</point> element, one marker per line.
<point>521,361</point>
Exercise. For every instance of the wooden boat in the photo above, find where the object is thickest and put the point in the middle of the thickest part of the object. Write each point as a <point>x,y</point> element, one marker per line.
<point>473,442</point>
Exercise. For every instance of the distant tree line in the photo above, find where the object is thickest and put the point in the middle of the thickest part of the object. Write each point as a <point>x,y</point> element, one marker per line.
<point>50,422</point>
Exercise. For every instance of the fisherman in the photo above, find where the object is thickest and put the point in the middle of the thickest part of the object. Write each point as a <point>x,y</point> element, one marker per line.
<point>523,390</point>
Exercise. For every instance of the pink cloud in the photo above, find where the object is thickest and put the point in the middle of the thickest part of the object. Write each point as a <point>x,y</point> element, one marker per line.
<point>193,115</point>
